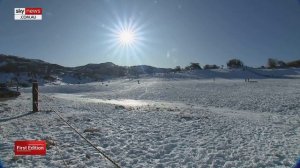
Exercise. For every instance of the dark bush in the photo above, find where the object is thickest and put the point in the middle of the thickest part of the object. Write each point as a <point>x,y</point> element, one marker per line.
<point>177,69</point>
<point>23,84</point>
<point>294,64</point>
<point>49,78</point>
<point>211,67</point>
<point>193,66</point>
<point>272,63</point>
<point>235,63</point>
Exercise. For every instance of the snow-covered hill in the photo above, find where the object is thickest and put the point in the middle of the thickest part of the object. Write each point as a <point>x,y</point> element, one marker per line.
<point>24,70</point>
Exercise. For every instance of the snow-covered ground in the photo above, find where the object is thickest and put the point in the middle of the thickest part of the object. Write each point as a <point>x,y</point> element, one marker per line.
<point>161,122</point>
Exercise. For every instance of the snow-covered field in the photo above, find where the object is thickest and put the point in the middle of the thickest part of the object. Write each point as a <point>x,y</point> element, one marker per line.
<point>159,123</point>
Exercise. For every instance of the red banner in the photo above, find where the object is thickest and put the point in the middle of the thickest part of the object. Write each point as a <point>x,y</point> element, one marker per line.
<point>30,147</point>
<point>33,11</point>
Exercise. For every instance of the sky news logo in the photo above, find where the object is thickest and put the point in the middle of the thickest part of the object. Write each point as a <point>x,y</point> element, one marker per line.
<point>28,13</point>
<point>30,147</point>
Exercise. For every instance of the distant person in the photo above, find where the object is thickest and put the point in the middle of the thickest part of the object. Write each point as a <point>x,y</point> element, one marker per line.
<point>138,81</point>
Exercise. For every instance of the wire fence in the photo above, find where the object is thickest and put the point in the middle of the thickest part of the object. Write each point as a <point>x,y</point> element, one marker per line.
<point>89,142</point>
<point>77,132</point>
<point>83,137</point>
<point>115,164</point>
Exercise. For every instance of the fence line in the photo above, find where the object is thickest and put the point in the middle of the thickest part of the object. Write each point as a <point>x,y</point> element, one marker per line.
<point>89,142</point>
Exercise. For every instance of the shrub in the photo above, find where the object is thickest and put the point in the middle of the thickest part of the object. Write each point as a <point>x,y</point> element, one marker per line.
<point>177,69</point>
<point>23,84</point>
<point>195,66</point>
<point>235,63</point>
<point>294,64</point>
<point>49,78</point>
<point>272,63</point>
<point>211,67</point>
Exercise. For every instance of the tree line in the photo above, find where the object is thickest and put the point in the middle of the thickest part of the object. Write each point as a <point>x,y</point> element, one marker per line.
<point>236,64</point>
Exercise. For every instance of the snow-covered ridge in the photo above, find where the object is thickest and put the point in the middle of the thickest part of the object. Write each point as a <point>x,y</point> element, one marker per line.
<point>24,70</point>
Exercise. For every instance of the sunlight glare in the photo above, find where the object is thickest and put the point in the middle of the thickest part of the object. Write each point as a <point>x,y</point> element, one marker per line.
<point>126,37</point>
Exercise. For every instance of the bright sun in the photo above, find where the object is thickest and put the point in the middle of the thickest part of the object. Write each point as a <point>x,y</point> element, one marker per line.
<point>126,37</point>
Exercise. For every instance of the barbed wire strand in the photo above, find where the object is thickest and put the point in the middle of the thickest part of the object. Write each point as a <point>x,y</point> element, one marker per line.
<point>89,142</point>
<point>101,152</point>
<point>56,147</point>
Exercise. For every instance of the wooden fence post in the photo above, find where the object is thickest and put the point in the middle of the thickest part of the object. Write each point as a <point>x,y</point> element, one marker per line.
<point>35,99</point>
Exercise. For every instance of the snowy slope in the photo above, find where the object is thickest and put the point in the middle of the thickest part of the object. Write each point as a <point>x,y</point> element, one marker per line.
<point>164,123</point>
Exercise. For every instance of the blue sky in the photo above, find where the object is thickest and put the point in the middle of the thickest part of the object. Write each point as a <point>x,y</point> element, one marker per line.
<point>170,32</point>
